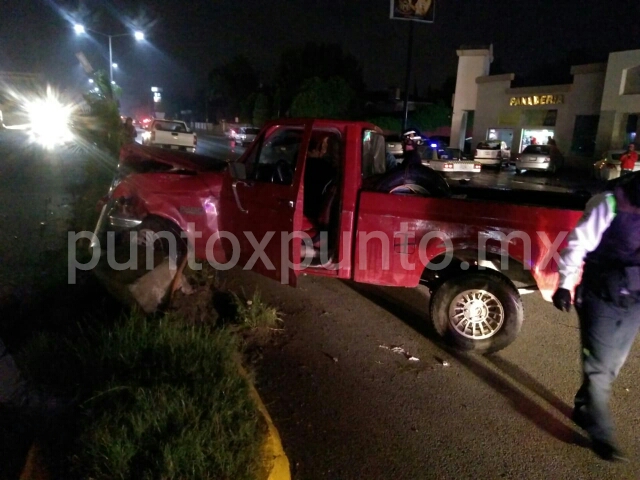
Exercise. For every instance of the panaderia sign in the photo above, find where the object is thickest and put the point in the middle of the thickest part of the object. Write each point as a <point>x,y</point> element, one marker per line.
<point>533,100</point>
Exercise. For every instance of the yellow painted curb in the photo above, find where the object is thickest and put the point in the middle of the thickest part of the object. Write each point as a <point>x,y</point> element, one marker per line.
<point>274,460</point>
<point>33,467</point>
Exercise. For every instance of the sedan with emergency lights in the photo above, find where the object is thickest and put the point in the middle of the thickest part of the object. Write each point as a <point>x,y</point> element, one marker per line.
<point>451,161</point>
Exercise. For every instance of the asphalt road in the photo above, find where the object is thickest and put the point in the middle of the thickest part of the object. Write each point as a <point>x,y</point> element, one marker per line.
<point>35,195</point>
<point>347,408</point>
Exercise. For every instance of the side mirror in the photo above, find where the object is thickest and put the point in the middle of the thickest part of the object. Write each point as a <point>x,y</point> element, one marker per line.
<point>238,170</point>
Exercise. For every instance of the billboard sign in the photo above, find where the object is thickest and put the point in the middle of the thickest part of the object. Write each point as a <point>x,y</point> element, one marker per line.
<point>413,10</point>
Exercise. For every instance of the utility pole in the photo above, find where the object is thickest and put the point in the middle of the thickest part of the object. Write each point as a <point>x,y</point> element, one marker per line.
<point>408,76</point>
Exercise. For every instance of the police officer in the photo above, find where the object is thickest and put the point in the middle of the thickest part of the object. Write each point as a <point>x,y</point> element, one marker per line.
<point>410,141</point>
<point>607,240</point>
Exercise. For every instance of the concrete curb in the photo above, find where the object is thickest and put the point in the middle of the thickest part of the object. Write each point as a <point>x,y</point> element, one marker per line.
<point>34,468</point>
<point>275,462</point>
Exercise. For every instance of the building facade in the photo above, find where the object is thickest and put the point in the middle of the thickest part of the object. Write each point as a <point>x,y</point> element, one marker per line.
<point>598,111</point>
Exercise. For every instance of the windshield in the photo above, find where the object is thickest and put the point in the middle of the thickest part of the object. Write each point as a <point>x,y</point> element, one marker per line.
<point>616,156</point>
<point>393,138</point>
<point>489,146</point>
<point>538,149</point>
<point>252,131</point>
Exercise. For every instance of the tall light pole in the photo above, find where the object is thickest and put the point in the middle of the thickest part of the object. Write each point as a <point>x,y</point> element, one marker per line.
<point>138,35</point>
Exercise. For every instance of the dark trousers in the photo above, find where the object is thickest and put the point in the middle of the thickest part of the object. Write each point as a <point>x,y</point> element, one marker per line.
<point>607,333</point>
<point>625,171</point>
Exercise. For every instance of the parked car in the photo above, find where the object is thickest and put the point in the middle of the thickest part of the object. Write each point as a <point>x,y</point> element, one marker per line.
<point>393,144</point>
<point>492,153</point>
<point>546,158</point>
<point>609,167</point>
<point>172,134</point>
<point>246,135</point>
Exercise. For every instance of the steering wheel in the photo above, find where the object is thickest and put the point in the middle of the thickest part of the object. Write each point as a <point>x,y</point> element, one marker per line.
<point>282,173</point>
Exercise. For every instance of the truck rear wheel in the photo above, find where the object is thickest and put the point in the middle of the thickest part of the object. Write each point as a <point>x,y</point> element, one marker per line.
<point>480,312</point>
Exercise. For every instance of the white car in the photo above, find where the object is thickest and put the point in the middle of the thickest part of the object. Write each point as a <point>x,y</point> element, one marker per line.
<point>393,144</point>
<point>609,167</point>
<point>492,153</point>
<point>246,135</point>
<point>452,161</point>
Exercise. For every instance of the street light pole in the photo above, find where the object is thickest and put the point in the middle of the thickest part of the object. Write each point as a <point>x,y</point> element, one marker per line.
<point>138,35</point>
<point>110,60</point>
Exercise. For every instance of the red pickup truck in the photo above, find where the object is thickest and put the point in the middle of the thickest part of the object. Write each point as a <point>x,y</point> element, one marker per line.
<point>315,196</point>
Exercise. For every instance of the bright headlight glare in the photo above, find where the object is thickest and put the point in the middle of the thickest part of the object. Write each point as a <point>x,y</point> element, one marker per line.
<point>49,120</point>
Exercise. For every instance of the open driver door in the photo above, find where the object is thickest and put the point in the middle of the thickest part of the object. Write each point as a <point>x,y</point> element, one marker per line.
<point>260,215</point>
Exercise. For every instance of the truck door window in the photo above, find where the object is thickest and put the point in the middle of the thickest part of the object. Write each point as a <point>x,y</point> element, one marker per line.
<point>373,154</point>
<point>275,158</point>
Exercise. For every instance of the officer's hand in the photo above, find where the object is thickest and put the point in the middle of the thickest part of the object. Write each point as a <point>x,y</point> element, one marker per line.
<point>562,299</point>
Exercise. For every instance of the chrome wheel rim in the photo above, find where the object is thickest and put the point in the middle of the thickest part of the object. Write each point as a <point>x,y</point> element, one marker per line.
<point>476,314</point>
<point>410,189</point>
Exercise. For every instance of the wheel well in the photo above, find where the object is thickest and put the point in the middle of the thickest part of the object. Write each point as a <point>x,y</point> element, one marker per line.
<point>170,224</point>
<point>438,271</point>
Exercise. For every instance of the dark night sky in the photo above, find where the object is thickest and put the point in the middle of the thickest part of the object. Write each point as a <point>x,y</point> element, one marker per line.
<point>187,38</point>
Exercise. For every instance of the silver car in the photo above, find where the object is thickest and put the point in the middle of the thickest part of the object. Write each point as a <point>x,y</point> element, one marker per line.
<point>246,135</point>
<point>394,145</point>
<point>492,153</point>
<point>545,158</point>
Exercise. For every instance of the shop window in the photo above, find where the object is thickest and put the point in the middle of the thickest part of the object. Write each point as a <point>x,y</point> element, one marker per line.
<point>536,137</point>
<point>631,81</point>
<point>550,118</point>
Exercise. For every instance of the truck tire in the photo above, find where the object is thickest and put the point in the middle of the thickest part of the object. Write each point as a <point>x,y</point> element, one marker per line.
<point>153,233</point>
<point>479,312</point>
<point>156,232</point>
<point>414,180</point>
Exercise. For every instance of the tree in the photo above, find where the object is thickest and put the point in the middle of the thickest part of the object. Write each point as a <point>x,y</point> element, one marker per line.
<point>431,117</point>
<point>390,123</point>
<point>104,127</point>
<point>261,110</point>
<point>322,61</point>
<point>332,98</point>
<point>231,84</point>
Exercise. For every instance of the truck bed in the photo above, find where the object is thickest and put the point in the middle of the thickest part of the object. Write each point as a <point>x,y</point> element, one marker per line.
<point>561,200</point>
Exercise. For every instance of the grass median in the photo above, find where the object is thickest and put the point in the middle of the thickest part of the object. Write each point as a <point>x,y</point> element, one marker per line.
<point>157,399</point>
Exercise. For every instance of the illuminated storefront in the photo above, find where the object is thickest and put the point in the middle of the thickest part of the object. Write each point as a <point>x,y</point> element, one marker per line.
<point>599,110</point>
<point>537,115</point>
